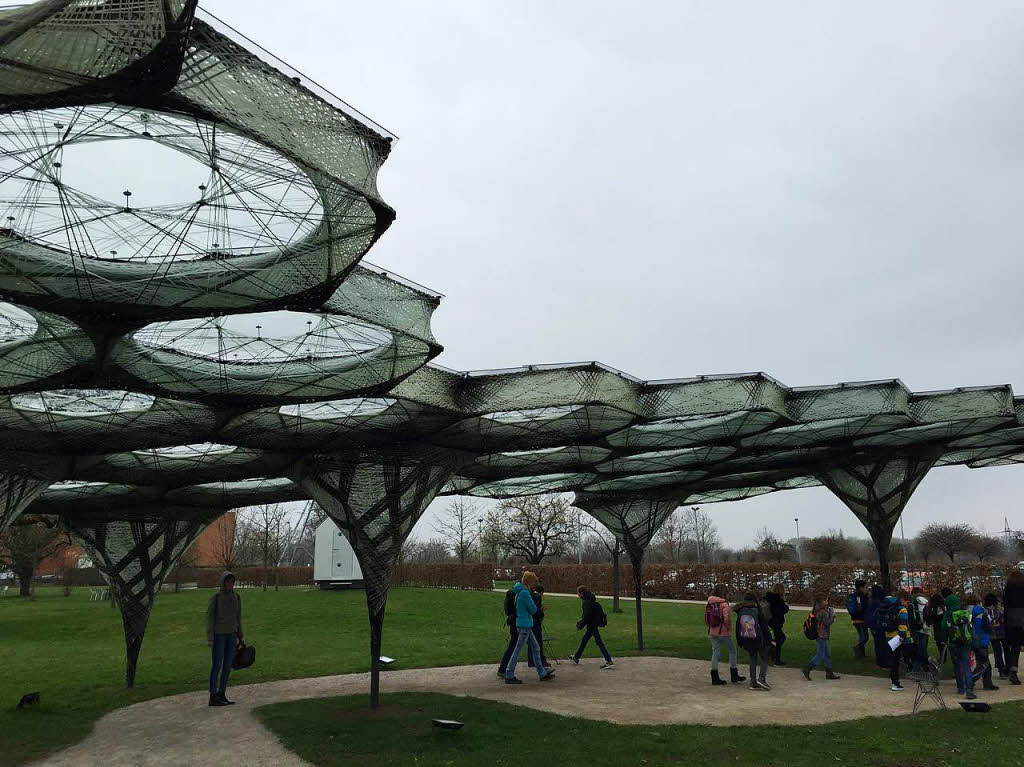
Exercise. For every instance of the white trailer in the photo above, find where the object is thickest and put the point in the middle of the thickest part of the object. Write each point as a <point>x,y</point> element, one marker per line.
<point>334,562</point>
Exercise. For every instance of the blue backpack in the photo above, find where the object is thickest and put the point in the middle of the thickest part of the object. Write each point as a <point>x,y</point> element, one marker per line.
<point>851,604</point>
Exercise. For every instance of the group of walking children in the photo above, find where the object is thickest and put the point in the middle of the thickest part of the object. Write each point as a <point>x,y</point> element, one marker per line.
<point>524,616</point>
<point>903,623</point>
<point>758,630</point>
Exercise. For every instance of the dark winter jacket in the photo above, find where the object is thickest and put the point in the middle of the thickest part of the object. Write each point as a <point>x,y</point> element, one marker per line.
<point>764,638</point>
<point>777,608</point>
<point>871,612</point>
<point>860,600</point>
<point>1013,605</point>
<point>591,612</point>
<point>224,612</point>
<point>538,599</point>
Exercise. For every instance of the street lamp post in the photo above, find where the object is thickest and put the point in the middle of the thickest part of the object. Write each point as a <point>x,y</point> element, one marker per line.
<point>480,539</point>
<point>799,553</point>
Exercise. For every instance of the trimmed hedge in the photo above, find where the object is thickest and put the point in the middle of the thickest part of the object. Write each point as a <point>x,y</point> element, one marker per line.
<point>453,576</point>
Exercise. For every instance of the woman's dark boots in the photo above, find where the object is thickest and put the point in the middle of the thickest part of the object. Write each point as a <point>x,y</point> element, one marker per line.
<point>734,676</point>
<point>716,679</point>
<point>215,700</point>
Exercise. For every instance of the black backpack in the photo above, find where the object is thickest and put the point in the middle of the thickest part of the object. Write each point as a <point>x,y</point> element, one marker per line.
<point>602,617</point>
<point>510,607</point>
<point>245,656</point>
<point>889,616</point>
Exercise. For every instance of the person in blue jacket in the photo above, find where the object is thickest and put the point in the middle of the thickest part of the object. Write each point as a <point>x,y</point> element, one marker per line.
<point>883,655</point>
<point>525,609</point>
<point>981,627</point>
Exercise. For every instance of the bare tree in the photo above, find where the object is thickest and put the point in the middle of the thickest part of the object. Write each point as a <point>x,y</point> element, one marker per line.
<point>949,539</point>
<point>264,531</point>
<point>459,526</point>
<point>772,548</point>
<point>699,528</point>
<point>26,543</point>
<point>533,527</point>
<point>830,546</point>
<point>986,547</point>
<point>430,552</point>
<point>670,540</point>
<point>613,548</point>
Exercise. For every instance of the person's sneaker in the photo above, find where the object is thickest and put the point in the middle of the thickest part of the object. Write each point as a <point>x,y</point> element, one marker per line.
<point>575,660</point>
<point>224,700</point>
<point>897,687</point>
<point>548,676</point>
<point>513,680</point>
<point>971,695</point>
<point>1002,675</point>
<point>609,664</point>
<point>806,671</point>
<point>756,687</point>
<point>501,675</point>
<point>763,684</point>
<point>216,701</point>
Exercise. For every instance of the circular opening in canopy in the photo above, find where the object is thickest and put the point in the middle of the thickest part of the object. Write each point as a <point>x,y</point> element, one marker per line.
<point>130,184</point>
<point>267,337</point>
<point>338,409</point>
<point>16,324</point>
<point>84,403</point>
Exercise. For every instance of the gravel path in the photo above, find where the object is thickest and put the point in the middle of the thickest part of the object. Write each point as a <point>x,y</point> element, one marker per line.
<point>182,730</point>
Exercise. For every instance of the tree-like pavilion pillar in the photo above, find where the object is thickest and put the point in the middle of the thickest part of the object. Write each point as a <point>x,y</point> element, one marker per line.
<point>876,490</point>
<point>634,521</point>
<point>376,496</point>
<point>134,554</point>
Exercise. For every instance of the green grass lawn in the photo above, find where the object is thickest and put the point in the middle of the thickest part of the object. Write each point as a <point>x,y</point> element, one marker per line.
<point>341,731</point>
<point>72,650</point>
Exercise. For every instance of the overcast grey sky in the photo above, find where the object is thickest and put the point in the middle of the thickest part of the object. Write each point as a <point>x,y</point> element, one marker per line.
<point>823,191</point>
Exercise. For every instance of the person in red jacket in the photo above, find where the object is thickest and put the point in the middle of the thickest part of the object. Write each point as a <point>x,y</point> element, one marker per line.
<point>717,619</point>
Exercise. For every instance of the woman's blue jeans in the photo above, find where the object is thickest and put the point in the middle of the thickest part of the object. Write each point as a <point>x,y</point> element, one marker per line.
<point>224,646</point>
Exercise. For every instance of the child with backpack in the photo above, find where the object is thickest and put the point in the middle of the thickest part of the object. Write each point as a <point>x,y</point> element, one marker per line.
<point>754,635</point>
<point>856,606</point>
<point>717,619</point>
<point>894,619</point>
<point>959,638</point>
<point>776,609</point>
<point>981,629</point>
<point>538,625</point>
<point>883,655</point>
<point>818,627</point>
<point>594,619</point>
<point>998,634</point>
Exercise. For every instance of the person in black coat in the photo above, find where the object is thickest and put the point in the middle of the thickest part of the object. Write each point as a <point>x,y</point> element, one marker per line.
<point>883,655</point>
<point>775,602</point>
<point>538,620</point>
<point>1013,609</point>
<point>593,616</point>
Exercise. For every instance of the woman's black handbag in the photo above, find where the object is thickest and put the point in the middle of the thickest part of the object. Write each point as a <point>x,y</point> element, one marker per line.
<point>245,656</point>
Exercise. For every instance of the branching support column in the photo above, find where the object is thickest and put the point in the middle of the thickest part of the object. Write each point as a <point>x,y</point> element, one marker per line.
<point>134,557</point>
<point>376,496</point>
<point>634,521</point>
<point>876,490</point>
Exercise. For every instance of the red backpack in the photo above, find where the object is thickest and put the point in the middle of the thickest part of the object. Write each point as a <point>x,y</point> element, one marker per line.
<point>713,617</point>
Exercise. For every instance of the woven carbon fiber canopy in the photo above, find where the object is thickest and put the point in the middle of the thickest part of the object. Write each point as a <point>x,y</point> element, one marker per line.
<point>165,360</point>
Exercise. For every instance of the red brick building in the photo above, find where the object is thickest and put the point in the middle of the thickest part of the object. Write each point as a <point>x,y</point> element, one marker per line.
<point>208,551</point>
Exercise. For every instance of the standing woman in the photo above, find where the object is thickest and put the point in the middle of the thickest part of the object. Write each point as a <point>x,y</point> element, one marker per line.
<point>223,630</point>
<point>777,609</point>
<point>1013,608</point>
